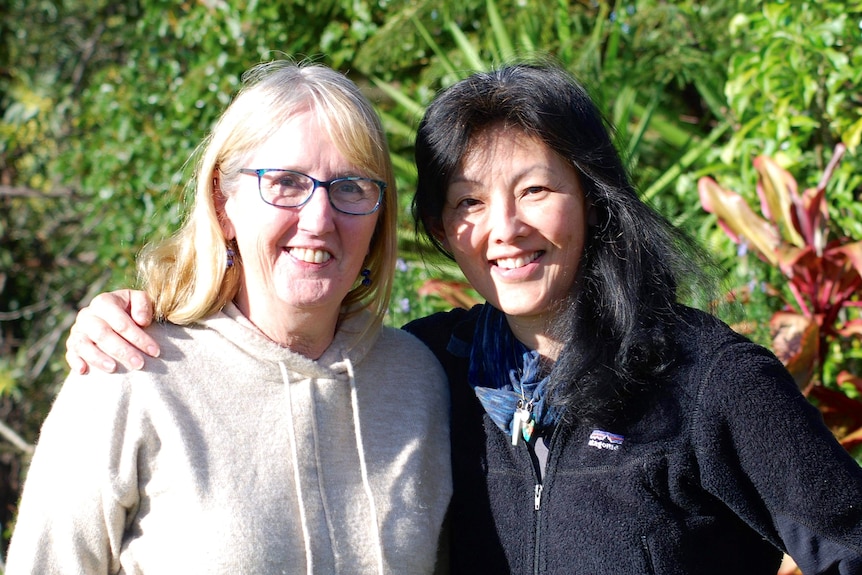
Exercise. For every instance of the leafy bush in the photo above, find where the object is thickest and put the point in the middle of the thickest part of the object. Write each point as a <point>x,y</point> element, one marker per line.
<point>793,94</point>
<point>817,329</point>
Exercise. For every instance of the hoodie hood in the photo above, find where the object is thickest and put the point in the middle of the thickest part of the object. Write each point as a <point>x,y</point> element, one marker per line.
<point>346,346</point>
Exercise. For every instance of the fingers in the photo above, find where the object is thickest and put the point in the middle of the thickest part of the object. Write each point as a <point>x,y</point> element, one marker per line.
<point>104,335</point>
<point>82,353</point>
<point>125,312</point>
<point>76,363</point>
<point>141,309</point>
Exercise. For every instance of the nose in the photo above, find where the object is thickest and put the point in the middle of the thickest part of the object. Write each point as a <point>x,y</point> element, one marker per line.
<point>317,214</point>
<point>505,220</point>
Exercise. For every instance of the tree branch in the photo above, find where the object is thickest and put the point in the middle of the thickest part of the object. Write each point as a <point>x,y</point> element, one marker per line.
<point>23,192</point>
<point>9,435</point>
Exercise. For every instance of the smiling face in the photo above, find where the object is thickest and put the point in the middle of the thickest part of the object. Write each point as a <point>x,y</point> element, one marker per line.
<point>514,219</point>
<point>298,263</point>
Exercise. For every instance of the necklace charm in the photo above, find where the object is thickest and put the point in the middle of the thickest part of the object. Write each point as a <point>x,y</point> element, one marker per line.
<point>528,427</point>
<point>520,421</point>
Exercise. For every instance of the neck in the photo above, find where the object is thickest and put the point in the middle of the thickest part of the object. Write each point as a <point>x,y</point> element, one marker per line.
<point>534,332</point>
<point>307,332</point>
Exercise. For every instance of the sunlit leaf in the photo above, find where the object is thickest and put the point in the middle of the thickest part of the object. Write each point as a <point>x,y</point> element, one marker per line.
<point>501,35</point>
<point>796,342</point>
<point>399,96</point>
<point>738,219</point>
<point>853,252</point>
<point>777,190</point>
<point>455,293</point>
<point>466,46</point>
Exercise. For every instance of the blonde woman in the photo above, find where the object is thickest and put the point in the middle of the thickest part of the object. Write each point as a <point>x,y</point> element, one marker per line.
<point>281,430</point>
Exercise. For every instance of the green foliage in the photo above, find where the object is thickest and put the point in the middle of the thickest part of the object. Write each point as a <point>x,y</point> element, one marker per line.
<point>820,285</point>
<point>793,80</point>
<point>410,297</point>
<point>793,93</point>
<point>794,90</point>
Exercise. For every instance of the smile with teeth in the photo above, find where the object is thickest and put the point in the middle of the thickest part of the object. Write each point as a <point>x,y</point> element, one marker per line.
<point>519,262</point>
<point>309,255</point>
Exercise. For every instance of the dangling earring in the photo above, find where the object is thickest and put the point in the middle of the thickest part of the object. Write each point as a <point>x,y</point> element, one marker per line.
<point>230,256</point>
<point>366,277</point>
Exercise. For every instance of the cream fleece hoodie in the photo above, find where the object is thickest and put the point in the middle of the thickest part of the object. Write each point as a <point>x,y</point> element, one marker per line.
<point>231,454</point>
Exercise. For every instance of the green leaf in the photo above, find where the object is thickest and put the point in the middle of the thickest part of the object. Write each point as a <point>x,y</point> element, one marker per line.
<point>400,97</point>
<point>441,55</point>
<point>685,162</point>
<point>852,136</point>
<point>504,43</point>
<point>471,54</point>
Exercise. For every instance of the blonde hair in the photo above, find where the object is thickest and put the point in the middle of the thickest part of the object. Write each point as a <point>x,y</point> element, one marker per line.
<point>187,275</point>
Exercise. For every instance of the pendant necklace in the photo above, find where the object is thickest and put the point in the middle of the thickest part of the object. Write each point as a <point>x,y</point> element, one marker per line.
<point>523,422</point>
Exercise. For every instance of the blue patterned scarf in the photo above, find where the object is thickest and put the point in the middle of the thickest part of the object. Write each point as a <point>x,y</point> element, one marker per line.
<point>503,371</point>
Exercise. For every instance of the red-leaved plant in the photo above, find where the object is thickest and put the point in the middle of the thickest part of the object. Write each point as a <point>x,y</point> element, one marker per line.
<point>824,277</point>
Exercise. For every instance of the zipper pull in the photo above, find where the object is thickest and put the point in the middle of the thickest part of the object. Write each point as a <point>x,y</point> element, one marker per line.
<point>538,496</point>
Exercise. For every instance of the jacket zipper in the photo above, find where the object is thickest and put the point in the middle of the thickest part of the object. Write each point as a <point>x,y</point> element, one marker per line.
<point>538,489</point>
<point>537,504</point>
<point>537,509</point>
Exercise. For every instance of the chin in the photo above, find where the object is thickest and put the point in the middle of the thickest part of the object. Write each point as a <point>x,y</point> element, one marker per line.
<point>521,309</point>
<point>530,303</point>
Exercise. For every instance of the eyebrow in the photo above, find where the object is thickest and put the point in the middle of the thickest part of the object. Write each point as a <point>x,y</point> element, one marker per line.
<point>527,171</point>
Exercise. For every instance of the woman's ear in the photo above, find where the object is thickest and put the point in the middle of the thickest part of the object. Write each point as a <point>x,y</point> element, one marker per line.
<point>220,203</point>
<point>439,234</point>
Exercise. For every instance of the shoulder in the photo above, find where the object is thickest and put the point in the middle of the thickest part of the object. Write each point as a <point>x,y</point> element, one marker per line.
<point>400,338</point>
<point>106,394</point>
<point>401,347</point>
<point>704,341</point>
<point>437,329</point>
<point>92,397</point>
<point>174,341</point>
<point>172,336</point>
<point>399,358</point>
<point>95,410</point>
<point>697,326</point>
<point>199,347</point>
<point>726,371</point>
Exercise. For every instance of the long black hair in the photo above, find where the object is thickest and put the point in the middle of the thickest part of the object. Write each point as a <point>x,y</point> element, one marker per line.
<point>616,326</point>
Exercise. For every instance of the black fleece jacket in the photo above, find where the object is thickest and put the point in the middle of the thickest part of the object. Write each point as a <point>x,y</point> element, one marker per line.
<point>727,465</point>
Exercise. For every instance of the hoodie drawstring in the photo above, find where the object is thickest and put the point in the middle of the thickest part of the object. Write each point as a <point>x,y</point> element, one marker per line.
<point>306,535</point>
<point>363,468</point>
<point>366,484</point>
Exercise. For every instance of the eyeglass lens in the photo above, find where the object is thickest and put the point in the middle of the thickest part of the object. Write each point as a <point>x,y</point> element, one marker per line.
<point>285,188</point>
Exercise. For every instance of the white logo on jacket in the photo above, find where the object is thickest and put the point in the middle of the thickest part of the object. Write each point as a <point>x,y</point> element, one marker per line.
<point>605,440</point>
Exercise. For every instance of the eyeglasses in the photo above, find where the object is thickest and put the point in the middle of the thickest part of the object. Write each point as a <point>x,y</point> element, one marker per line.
<point>288,189</point>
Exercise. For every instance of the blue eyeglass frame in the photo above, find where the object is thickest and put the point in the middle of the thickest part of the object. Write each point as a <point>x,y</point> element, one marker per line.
<point>259,172</point>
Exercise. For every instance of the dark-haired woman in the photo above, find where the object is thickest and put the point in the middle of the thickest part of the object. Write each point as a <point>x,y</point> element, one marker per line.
<point>598,426</point>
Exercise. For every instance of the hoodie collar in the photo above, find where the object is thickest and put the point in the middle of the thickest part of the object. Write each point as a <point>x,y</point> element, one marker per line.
<point>346,345</point>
